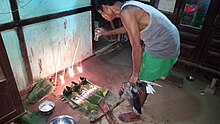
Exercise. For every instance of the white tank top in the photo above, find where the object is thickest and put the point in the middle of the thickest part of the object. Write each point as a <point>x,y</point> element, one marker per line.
<point>160,36</point>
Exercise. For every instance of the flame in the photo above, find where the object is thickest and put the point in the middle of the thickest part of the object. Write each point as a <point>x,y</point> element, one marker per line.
<point>80,69</point>
<point>62,79</point>
<point>71,72</point>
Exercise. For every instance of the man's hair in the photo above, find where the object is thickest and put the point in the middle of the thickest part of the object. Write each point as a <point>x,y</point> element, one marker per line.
<point>99,3</point>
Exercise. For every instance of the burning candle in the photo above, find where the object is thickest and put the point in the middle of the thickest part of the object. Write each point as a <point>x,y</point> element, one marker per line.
<point>80,69</point>
<point>62,79</point>
<point>71,72</point>
<point>74,57</point>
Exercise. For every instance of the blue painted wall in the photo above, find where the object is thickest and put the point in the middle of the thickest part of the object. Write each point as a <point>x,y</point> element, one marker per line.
<point>5,12</point>
<point>52,44</point>
<point>33,8</point>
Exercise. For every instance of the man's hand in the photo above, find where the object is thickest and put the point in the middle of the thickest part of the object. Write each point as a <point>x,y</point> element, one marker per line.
<point>133,80</point>
<point>102,31</point>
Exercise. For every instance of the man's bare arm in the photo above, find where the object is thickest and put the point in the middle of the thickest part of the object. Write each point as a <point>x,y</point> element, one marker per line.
<point>130,23</point>
<point>120,30</point>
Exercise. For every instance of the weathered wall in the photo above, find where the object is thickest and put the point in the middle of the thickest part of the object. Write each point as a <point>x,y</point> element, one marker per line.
<point>5,12</point>
<point>50,44</point>
<point>12,47</point>
<point>35,8</point>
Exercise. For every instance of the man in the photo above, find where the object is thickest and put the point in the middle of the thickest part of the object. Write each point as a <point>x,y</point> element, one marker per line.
<point>160,37</point>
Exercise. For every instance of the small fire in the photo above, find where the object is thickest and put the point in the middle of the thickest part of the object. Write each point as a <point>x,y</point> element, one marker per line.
<point>71,72</point>
<point>62,79</point>
<point>80,69</point>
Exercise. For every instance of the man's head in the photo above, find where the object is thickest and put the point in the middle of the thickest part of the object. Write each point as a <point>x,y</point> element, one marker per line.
<point>104,8</point>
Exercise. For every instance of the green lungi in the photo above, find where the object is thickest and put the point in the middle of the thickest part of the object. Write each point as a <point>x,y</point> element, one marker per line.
<point>153,68</point>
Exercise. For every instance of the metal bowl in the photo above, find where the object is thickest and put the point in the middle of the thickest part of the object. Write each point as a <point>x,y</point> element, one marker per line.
<point>46,107</point>
<point>63,119</point>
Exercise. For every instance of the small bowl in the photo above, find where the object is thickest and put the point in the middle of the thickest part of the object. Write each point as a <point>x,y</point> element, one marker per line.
<point>63,119</point>
<point>46,107</point>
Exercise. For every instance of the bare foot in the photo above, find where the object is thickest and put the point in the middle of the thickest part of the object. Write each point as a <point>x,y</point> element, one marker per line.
<point>129,117</point>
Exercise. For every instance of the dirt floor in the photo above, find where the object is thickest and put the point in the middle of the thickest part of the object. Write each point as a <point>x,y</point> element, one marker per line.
<point>170,105</point>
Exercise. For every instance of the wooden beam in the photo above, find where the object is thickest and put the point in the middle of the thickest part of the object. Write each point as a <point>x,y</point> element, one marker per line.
<point>93,23</point>
<point>19,23</point>
<point>14,9</point>
<point>23,48</point>
<point>24,54</point>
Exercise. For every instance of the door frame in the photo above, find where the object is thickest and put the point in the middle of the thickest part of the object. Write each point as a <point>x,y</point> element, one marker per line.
<point>11,84</point>
<point>206,30</point>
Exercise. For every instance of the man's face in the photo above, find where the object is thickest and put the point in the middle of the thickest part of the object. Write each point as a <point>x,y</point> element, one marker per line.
<point>107,13</point>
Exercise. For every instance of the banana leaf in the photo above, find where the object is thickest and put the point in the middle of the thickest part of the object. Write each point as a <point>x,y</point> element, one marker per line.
<point>41,89</point>
<point>95,99</point>
<point>32,118</point>
<point>84,104</point>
